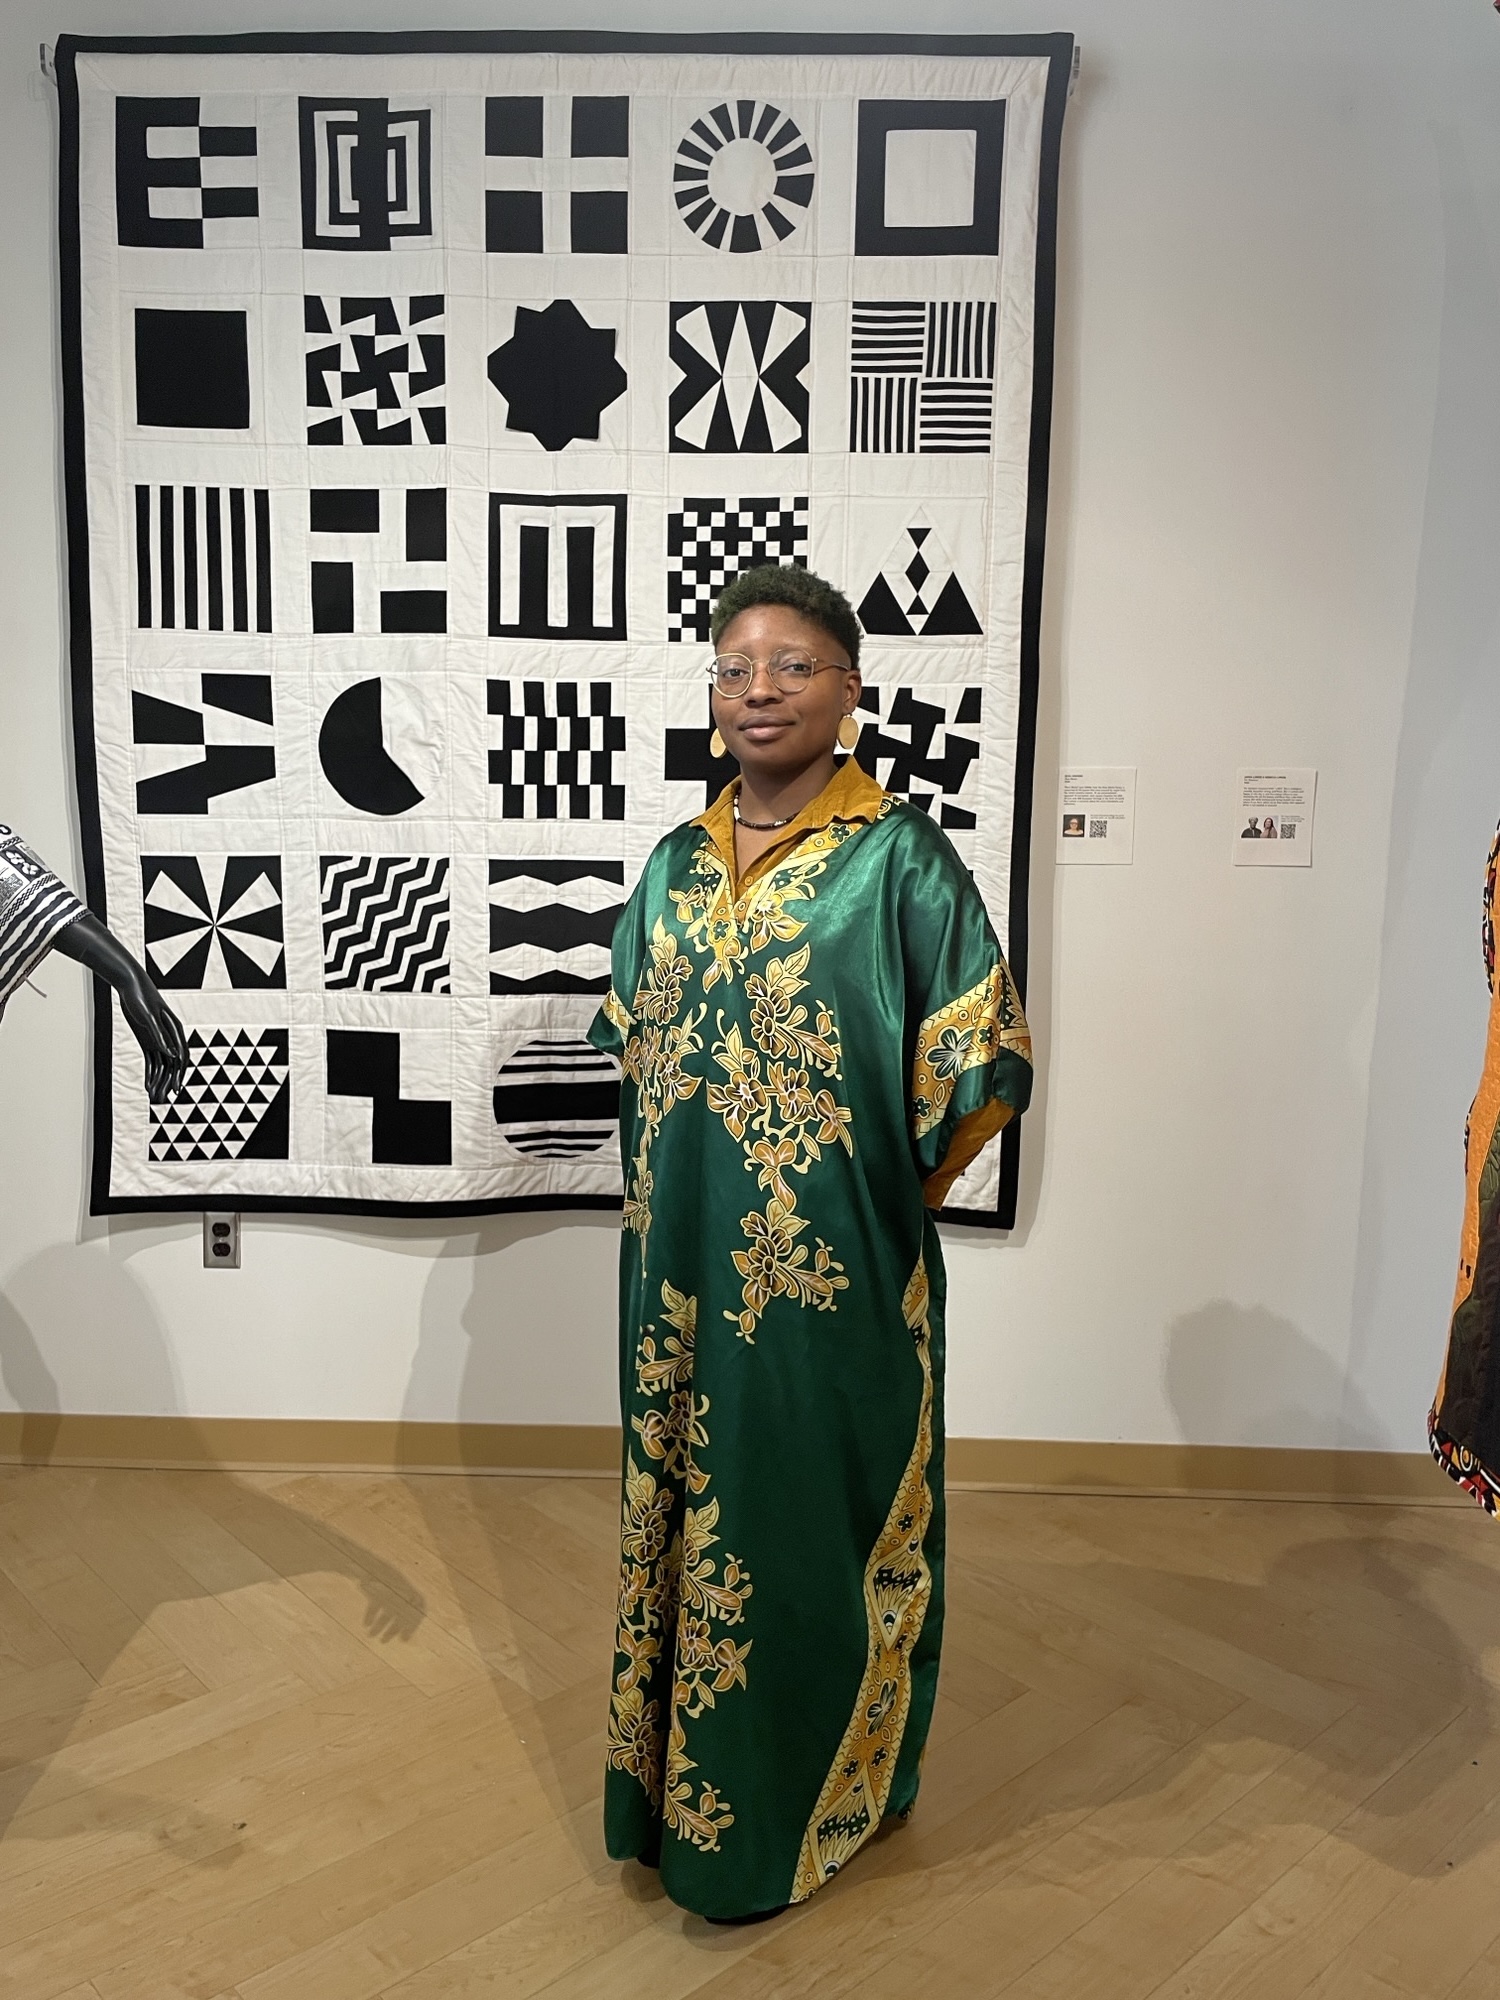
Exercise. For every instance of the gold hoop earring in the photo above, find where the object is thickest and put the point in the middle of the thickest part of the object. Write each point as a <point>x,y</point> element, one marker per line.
<point>848,733</point>
<point>716,746</point>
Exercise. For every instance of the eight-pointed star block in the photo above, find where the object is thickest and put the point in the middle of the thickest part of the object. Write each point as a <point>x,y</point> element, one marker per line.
<point>557,374</point>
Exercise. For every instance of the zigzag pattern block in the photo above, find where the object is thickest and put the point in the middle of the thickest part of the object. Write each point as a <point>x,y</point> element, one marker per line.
<point>385,923</point>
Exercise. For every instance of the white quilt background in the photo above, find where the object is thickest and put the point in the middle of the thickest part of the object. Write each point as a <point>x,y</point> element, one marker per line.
<point>374,844</point>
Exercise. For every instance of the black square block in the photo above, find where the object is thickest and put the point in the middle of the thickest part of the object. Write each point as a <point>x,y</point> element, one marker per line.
<point>192,370</point>
<point>599,221</point>
<point>512,220</point>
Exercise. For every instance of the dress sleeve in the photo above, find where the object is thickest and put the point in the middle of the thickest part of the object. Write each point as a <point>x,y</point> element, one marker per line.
<point>971,1059</point>
<point>34,907</point>
<point>613,1022</point>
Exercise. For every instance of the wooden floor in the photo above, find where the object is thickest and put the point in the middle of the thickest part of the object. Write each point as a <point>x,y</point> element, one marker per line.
<point>333,1737</point>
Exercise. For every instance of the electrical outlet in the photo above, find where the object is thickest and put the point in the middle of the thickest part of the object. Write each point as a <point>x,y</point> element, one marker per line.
<point>221,1241</point>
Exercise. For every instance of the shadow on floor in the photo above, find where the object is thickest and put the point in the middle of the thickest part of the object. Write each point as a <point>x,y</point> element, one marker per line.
<point>1345,1668</point>
<point>532,1564</point>
<point>72,1605</point>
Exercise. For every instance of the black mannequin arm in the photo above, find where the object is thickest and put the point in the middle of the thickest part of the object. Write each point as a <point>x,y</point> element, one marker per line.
<point>151,1020</point>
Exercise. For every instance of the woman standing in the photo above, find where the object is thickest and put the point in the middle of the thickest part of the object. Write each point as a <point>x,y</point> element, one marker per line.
<point>817,1033</point>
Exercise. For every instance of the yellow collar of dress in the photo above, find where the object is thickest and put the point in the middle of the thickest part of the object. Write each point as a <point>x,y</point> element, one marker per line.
<point>850,794</point>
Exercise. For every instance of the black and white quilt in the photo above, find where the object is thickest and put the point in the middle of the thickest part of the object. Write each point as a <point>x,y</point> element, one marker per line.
<point>422,395</point>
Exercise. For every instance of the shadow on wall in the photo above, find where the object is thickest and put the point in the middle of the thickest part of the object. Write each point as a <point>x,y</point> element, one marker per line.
<point>1243,1375</point>
<point>91,1559</point>
<point>532,1564</point>
<point>84,1308</point>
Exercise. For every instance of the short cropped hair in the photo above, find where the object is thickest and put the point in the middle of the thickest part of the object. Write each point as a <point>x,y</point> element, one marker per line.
<point>799,590</point>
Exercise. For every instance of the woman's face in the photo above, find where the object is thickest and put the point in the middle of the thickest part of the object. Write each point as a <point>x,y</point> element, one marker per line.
<point>772,734</point>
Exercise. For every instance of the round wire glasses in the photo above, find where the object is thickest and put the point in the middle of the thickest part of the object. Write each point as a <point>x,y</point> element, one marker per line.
<point>791,671</point>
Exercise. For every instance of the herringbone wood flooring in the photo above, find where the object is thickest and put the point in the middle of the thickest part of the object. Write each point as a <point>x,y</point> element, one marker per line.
<point>336,1737</point>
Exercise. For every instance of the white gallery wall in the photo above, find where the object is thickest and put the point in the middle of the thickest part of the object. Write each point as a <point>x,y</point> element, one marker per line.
<point>1275,538</point>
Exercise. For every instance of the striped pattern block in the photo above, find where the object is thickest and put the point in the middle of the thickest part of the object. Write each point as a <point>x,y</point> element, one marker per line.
<point>556,1099</point>
<point>203,558</point>
<point>921,376</point>
<point>385,923</point>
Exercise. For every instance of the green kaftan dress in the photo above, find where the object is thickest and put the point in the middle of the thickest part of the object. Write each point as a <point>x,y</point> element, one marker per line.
<point>811,1054</point>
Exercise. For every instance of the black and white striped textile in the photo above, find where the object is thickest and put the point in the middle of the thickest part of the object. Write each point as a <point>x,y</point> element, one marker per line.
<point>422,394</point>
<point>34,907</point>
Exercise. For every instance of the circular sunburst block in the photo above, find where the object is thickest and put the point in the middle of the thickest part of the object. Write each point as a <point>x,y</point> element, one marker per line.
<point>743,176</point>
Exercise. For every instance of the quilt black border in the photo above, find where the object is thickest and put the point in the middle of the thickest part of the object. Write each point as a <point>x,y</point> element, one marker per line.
<point>1057,48</point>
